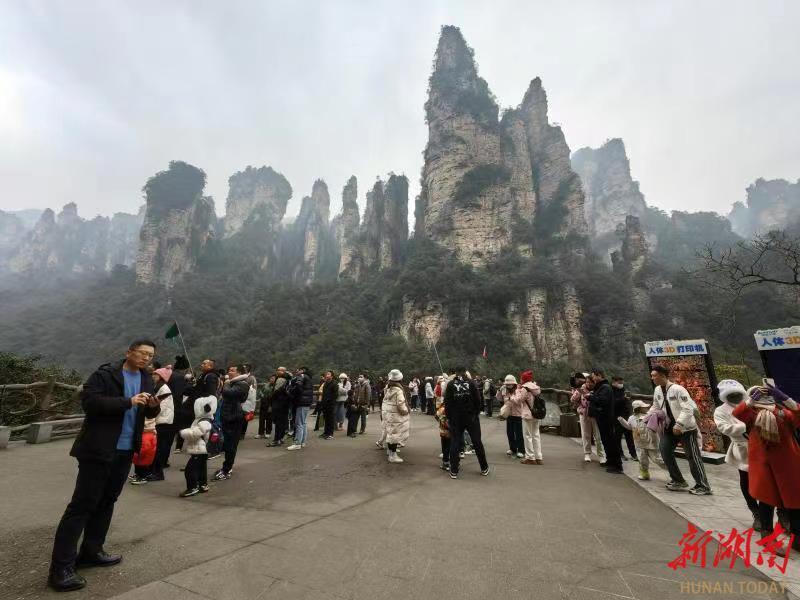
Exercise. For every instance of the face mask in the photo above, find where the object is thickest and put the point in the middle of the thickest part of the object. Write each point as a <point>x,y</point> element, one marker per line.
<point>619,386</point>
<point>734,398</point>
<point>510,386</point>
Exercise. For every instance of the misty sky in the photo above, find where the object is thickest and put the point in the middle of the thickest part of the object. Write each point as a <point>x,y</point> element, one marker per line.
<point>97,96</point>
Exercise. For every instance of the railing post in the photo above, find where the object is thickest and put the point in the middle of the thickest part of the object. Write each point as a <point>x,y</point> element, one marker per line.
<point>44,405</point>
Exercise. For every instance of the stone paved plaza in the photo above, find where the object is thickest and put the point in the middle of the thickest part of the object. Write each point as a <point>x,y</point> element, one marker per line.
<point>336,521</point>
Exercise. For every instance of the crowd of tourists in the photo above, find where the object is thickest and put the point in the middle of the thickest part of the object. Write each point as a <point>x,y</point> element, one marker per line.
<point>136,409</point>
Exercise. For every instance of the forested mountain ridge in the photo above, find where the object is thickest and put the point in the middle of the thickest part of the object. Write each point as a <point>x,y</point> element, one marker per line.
<point>542,257</point>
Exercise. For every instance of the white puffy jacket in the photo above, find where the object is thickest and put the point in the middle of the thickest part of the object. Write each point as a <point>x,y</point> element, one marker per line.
<point>196,436</point>
<point>167,414</point>
<point>729,425</point>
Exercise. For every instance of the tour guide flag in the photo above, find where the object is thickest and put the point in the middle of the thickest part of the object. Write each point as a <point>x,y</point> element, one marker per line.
<point>172,332</point>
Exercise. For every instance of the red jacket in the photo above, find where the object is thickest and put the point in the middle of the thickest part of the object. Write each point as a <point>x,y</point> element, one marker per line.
<point>774,468</point>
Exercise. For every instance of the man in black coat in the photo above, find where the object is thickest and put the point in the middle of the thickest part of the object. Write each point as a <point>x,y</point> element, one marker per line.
<point>205,385</point>
<point>601,407</point>
<point>116,399</point>
<point>330,391</point>
<point>622,408</point>
<point>280,406</point>
<point>231,415</point>
<point>462,405</point>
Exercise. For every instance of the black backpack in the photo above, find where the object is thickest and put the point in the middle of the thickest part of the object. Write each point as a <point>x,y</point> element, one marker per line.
<point>294,389</point>
<point>539,410</point>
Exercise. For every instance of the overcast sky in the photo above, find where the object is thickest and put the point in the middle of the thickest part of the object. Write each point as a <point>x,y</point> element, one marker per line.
<point>97,96</point>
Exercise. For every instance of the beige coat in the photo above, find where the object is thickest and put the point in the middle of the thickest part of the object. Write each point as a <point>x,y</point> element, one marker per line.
<point>396,426</point>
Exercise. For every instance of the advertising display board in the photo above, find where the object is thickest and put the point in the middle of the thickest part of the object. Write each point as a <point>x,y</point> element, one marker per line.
<point>690,365</point>
<point>780,355</point>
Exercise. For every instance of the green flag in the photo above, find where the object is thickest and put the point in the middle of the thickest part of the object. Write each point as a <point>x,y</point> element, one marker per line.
<point>172,332</point>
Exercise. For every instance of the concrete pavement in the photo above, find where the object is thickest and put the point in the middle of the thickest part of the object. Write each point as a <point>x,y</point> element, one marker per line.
<point>336,521</point>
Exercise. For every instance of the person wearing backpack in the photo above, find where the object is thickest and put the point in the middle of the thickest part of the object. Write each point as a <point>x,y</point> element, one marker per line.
<point>301,389</point>
<point>249,406</point>
<point>234,394</point>
<point>281,401</point>
<point>195,439</point>
<point>532,411</point>
<point>462,405</point>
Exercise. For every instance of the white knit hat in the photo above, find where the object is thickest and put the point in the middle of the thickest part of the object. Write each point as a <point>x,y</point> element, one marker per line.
<point>343,376</point>
<point>395,375</point>
<point>639,404</point>
<point>510,379</point>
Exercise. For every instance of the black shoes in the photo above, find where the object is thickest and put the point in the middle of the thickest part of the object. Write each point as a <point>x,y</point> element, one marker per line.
<point>615,470</point>
<point>98,559</point>
<point>65,580</point>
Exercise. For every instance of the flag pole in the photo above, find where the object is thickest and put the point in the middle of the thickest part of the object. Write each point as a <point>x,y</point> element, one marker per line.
<point>437,356</point>
<point>185,352</point>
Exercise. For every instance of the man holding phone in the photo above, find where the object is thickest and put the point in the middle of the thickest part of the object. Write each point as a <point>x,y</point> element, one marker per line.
<point>116,399</point>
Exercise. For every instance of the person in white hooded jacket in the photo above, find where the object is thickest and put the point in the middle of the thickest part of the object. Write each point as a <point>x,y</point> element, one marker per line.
<point>195,438</point>
<point>732,393</point>
<point>681,427</point>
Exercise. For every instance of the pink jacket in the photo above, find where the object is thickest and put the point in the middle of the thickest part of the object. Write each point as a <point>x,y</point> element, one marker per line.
<point>522,399</point>
<point>580,400</point>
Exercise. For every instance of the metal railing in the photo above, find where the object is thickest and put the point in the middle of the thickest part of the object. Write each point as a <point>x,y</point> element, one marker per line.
<point>22,404</point>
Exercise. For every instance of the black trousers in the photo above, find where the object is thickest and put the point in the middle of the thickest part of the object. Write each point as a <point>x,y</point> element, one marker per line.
<point>445,451</point>
<point>363,411</point>
<point>612,448</point>
<point>619,432</point>
<point>196,471</point>
<point>329,412</point>
<point>264,422</point>
<point>231,434</point>
<point>744,484</point>
<point>457,428</point>
<point>165,434</point>
<point>488,406</point>
<point>280,416</point>
<point>516,443</point>
<point>352,420</point>
<point>97,488</point>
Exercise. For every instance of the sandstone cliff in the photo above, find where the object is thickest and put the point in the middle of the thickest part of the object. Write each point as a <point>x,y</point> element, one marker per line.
<point>611,193</point>
<point>71,244</point>
<point>379,242</point>
<point>256,194</point>
<point>631,257</point>
<point>770,204</point>
<point>490,185</point>
<point>177,224</point>
<point>12,233</point>
<point>347,232</point>
<point>313,234</point>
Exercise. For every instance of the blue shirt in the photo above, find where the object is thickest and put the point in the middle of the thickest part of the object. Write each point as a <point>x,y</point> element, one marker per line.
<point>133,385</point>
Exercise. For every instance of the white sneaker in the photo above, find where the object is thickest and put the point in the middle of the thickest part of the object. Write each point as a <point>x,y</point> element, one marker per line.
<point>258,437</point>
<point>470,452</point>
<point>509,453</point>
<point>393,458</point>
<point>294,447</point>
<point>441,455</point>
<point>520,455</point>
<point>587,458</point>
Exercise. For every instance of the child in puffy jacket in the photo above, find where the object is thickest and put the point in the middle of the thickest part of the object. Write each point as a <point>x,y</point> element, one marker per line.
<point>143,460</point>
<point>194,444</point>
<point>645,438</point>
<point>444,435</point>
